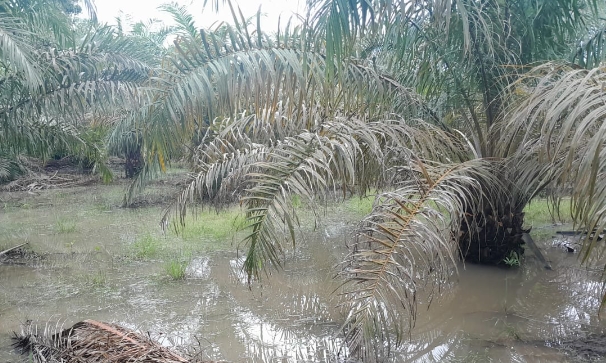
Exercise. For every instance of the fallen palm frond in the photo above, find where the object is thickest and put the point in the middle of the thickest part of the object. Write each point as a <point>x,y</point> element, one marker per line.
<point>12,248</point>
<point>35,182</point>
<point>92,341</point>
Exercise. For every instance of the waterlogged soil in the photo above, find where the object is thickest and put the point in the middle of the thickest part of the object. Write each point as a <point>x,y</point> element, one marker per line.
<point>88,258</point>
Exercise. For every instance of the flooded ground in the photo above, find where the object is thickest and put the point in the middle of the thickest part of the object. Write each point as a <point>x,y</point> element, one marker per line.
<point>89,259</point>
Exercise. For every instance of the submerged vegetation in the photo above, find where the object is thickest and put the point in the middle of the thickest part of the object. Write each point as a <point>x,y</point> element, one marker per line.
<point>456,114</point>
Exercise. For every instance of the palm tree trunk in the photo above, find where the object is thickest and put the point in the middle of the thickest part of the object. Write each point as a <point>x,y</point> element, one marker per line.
<point>133,162</point>
<point>493,236</point>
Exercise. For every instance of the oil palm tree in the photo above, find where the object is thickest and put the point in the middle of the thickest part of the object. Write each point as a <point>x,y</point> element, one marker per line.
<point>431,101</point>
<point>52,81</point>
<point>469,61</point>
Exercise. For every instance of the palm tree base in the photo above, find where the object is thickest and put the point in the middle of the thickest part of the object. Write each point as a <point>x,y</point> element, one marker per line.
<point>491,240</point>
<point>133,164</point>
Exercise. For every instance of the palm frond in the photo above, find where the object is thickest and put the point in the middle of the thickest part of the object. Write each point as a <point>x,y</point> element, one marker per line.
<point>77,85</point>
<point>219,164</point>
<point>226,72</point>
<point>591,51</point>
<point>406,245</point>
<point>91,9</point>
<point>186,26</point>
<point>560,119</point>
<point>9,168</point>
<point>17,52</point>
<point>90,340</point>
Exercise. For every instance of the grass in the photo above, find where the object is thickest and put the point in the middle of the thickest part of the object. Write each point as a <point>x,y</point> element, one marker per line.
<point>359,206</point>
<point>540,212</point>
<point>540,216</point>
<point>296,201</point>
<point>103,205</point>
<point>212,225</point>
<point>513,260</point>
<point>98,279</point>
<point>511,332</point>
<point>63,226</point>
<point>175,268</point>
<point>146,246</point>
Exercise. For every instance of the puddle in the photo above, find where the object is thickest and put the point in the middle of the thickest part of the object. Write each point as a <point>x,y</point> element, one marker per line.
<point>490,314</point>
<point>198,268</point>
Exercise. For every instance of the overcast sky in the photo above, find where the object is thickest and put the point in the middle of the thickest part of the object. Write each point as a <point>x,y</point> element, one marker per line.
<point>108,10</point>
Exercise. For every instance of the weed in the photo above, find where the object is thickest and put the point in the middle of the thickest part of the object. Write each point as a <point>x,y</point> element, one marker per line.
<point>70,245</point>
<point>175,268</point>
<point>98,279</point>
<point>9,207</point>
<point>513,260</point>
<point>146,246</point>
<point>103,206</point>
<point>63,226</point>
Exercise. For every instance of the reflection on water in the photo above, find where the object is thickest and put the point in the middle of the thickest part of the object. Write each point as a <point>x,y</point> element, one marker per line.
<point>490,314</point>
<point>198,268</point>
<point>269,342</point>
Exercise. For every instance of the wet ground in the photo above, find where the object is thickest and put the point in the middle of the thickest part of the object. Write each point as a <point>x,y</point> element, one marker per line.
<point>86,258</point>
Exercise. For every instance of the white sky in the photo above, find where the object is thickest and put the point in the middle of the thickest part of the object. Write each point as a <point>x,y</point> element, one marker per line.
<point>108,10</point>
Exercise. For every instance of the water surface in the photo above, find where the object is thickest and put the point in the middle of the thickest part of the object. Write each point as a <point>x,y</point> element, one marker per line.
<point>489,314</point>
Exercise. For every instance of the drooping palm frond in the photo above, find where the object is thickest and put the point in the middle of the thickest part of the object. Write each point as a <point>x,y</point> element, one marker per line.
<point>185,21</point>
<point>406,250</point>
<point>560,120</point>
<point>247,160</point>
<point>229,71</point>
<point>218,165</point>
<point>299,142</point>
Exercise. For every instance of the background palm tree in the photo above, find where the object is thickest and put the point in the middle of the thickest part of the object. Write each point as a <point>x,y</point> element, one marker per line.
<point>56,81</point>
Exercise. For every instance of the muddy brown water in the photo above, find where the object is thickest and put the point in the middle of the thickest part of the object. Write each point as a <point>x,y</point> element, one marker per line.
<point>489,314</point>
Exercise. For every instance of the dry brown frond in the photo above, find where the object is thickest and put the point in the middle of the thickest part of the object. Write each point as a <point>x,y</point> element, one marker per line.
<point>93,341</point>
